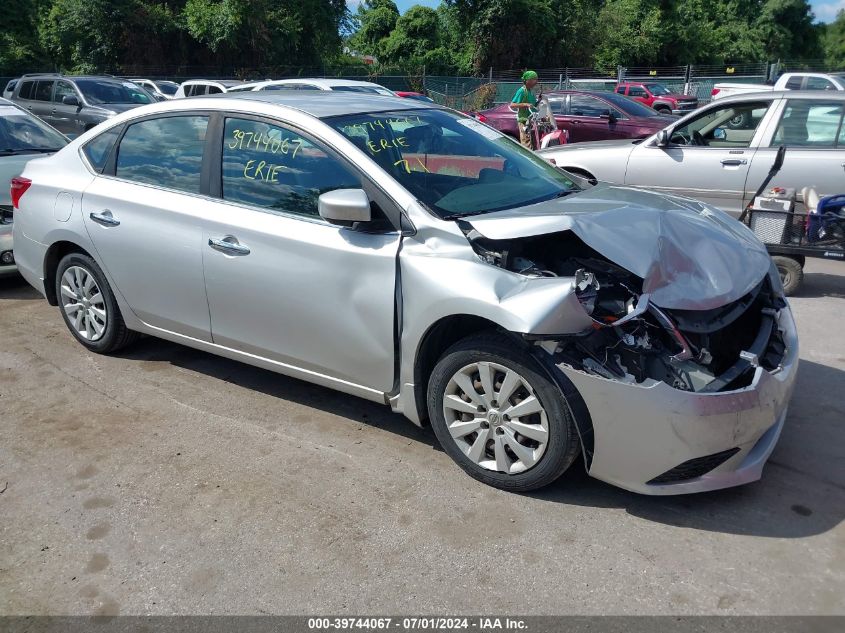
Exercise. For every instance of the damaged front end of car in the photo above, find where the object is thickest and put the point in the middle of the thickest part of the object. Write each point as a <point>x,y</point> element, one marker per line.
<point>687,360</point>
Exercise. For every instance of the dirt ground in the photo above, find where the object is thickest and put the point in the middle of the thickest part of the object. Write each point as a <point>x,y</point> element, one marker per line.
<point>168,481</point>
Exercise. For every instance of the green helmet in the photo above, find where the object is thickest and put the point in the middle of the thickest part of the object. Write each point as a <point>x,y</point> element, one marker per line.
<point>529,74</point>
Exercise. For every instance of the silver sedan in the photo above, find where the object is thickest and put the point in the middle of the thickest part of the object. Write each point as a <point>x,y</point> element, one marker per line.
<point>407,254</point>
<point>721,153</point>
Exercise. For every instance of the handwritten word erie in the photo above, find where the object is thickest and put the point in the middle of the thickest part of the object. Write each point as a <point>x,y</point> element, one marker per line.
<point>262,170</point>
<point>384,144</point>
<point>272,144</point>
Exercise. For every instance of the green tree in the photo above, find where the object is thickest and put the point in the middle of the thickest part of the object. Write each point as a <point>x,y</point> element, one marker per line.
<point>834,41</point>
<point>376,20</point>
<point>512,34</point>
<point>632,34</point>
<point>785,27</point>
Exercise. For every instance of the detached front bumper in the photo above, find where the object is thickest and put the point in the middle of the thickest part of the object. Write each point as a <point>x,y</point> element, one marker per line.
<point>653,439</point>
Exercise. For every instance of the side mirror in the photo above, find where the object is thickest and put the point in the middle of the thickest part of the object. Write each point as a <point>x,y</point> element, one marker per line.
<point>663,138</point>
<point>344,207</point>
<point>70,100</point>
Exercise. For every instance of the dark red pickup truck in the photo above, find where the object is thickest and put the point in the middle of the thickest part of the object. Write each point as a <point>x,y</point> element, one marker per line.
<point>657,96</point>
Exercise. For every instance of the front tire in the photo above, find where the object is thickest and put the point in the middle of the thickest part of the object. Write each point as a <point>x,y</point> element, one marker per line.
<point>498,416</point>
<point>88,305</point>
<point>791,273</point>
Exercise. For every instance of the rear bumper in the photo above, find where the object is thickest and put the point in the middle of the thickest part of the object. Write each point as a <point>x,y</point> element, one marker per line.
<point>642,431</point>
<point>29,256</point>
<point>6,245</point>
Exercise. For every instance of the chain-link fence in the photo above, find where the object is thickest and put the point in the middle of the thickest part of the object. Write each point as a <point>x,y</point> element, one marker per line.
<point>495,86</point>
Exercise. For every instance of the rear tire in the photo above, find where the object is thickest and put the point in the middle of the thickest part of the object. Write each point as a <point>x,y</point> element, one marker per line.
<point>791,273</point>
<point>88,305</point>
<point>515,449</point>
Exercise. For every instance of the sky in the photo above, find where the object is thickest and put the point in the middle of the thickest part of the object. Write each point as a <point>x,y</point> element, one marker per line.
<point>825,10</point>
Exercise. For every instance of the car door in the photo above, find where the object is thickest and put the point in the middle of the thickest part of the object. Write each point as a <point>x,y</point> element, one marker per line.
<point>708,155</point>
<point>42,99</point>
<point>65,118</point>
<point>144,216</point>
<point>814,135</point>
<point>282,283</point>
<point>587,119</point>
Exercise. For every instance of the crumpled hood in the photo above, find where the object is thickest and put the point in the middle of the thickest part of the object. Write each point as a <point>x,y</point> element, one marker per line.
<point>689,255</point>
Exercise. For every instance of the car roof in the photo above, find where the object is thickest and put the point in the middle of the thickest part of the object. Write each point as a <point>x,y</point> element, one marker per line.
<point>321,82</point>
<point>327,103</point>
<point>223,82</point>
<point>819,95</point>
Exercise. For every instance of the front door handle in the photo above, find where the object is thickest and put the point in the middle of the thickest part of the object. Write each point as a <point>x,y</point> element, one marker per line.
<point>228,245</point>
<point>734,162</point>
<point>105,218</point>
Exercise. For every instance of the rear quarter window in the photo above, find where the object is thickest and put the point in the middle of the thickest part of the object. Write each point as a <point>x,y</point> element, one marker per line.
<point>97,150</point>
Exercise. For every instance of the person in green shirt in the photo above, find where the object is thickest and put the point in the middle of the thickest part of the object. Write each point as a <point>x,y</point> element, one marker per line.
<point>523,102</point>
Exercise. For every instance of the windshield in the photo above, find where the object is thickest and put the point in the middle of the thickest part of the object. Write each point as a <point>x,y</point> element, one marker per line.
<point>658,89</point>
<point>167,87</point>
<point>629,106</point>
<point>99,91</point>
<point>373,90</point>
<point>455,165</point>
<point>21,133</point>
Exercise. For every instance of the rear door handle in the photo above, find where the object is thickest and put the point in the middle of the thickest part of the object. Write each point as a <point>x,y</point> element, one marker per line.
<point>228,245</point>
<point>105,218</point>
<point>734,162</point>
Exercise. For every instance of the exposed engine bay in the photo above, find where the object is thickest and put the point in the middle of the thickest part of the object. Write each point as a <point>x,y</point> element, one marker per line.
<point>632,339</point>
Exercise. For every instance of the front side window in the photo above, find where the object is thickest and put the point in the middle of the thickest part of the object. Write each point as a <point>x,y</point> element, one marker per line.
<point>166,152</point>
<point>658,90</point>
<point>275,168</point>
<point>44,91</point>
<point>63,89</point>
<point>728,126</point>
<point>100,91</point>
<point>167,87</point>
<point>455,165</point>
<point>214,90</point>
<point>810,124</point>
<point>581,105</point>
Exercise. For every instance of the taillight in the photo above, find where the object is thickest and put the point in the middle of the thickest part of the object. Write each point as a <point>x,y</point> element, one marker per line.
<point>481,118</point>
<point>714,92</point>
<point>19,187</point>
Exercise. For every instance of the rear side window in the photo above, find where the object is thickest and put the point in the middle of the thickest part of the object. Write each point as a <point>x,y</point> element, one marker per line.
<point>275,168</point>
<point>636,91</point>
<point>27,90</point>
<point>166,152</point>
<point>44,91</point>
<point>620,90</point>
<point>810,124</point>
<point>97,149</point>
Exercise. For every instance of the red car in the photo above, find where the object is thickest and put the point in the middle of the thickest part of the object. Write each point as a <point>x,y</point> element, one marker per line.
<point>417,96</point>
<point>587,116</point>
<point>658,96</point>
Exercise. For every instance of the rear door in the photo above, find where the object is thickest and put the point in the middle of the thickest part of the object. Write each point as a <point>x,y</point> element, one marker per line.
<point>708,157</point>
<point>144,216</point>
<point>42,99</point>
<point>814,135</point>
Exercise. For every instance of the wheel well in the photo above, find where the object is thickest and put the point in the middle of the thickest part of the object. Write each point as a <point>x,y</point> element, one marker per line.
<point>662,106</point>
<point>51,263</point>
<point>440,337</point>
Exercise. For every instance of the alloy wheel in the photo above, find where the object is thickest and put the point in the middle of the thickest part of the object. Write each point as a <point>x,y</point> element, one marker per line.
<point>83,303</point>
<point>495,418</point>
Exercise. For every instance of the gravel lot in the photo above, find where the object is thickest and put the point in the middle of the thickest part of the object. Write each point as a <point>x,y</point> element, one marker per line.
<point>166,480</point>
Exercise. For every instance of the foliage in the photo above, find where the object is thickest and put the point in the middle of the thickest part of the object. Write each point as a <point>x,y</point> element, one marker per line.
<point>834,41</point>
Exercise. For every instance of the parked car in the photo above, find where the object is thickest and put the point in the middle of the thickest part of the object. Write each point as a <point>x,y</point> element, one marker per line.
<point>339,85</point>
<point>787,81</point>
<point>406,94</point>
<point>161,89</point>
<point>22,137</point>
<point>200,87</point>
<point>587,116</point>
<point>658,97</point>
<point>708,156</point>
<point>410,255</point>
<point>75,104</point>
